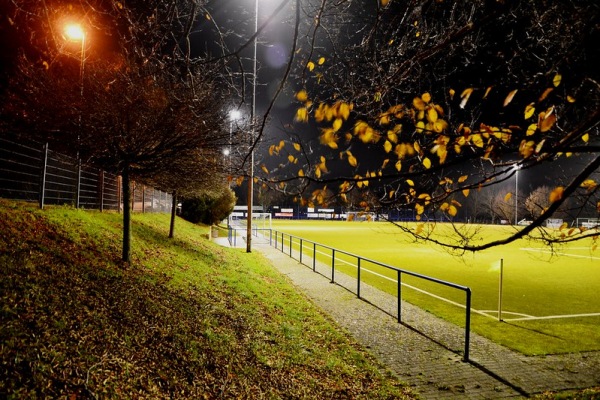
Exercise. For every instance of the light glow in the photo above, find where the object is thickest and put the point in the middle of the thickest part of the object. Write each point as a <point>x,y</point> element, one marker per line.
<point>75,32</point>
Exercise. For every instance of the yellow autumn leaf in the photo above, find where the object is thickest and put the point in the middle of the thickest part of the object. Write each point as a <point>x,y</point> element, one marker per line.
<point>487,91</point>
<point>556,194</point>
<point>321,60</point>
<point>589,184</point>
<point>546,123</point>
<point>419,126</point>
<point>302,95</point>
<point>510,97</point>
<point>352,160</point>
<point>264,168</point>
<point>545,94</point>
<point>398,165</point>
<point>452,210</point>
<point>419,208</point>
<point>466,192</point>
<point>556,80</point>
<point>477,140</point>
<point>301,115</point>
<point>419,104</point>
<point>465,97</point>
<point>337,124</point>
<point>301,173</point>
<point>507,197</point>
<point>571,99</point>
<point>585,137</point>
<point>463,178</point>
<point>452,92</point>
<point>531,129</point>
<point>387,146</point>
<point>318,172</point>
<point>426,97</point>
<point>391,194</point>
<point>310,65</point>
<point>427,163</point>
<point>297,146</point>
<point>440,126</point>
<point>432,115</point>
<point>384,3</point>
<point>529,110</point>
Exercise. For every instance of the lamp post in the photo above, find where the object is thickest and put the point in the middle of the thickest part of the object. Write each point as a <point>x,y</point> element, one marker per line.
<point>516,168</point>
<point>234,115</point>
<point>75,33</point>
<point>252,124</point>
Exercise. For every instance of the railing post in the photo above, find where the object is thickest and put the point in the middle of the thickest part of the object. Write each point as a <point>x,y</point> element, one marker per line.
<point>300,250</point>
<point>399,296</point>
<point>291,246</point>
<point>102,187</point>
<point>468,324</point>
<point>314,257</point>
<point>43,180</point>
<point>358,278</point>
<point>332,265</point>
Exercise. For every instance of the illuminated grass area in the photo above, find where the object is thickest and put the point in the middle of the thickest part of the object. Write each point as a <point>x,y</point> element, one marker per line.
<point>542,291</point>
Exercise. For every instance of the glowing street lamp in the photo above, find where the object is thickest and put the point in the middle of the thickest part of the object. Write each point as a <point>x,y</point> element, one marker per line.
<point>75,33</point>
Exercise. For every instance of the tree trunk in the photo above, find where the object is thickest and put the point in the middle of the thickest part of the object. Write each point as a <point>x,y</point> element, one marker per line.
<point>126,215</point>
<point>173,211</point>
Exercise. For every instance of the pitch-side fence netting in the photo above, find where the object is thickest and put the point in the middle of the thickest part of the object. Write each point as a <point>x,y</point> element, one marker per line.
<point>31,171</point>
<point>307,252</point>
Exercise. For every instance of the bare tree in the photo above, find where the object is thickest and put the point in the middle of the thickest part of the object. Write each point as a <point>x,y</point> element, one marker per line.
<point>138,106</point>
<point>422,103</point>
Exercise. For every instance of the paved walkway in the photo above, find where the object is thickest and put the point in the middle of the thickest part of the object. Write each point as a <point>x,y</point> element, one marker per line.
<point>425,351</point>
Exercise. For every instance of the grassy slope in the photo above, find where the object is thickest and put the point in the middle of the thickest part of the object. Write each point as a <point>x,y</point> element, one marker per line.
<point>187,319</point>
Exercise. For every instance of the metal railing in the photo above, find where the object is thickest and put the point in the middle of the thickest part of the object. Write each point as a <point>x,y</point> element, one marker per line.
<point>289,243</point>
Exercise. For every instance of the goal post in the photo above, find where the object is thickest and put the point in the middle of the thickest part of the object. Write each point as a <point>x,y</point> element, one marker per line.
<point>589,223</point>
<point>260,220</point>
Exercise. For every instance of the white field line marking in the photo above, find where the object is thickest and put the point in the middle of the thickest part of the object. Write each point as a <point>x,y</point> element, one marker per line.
<point>525,316</point>
<point>559,253</point>
<point>555,317</point>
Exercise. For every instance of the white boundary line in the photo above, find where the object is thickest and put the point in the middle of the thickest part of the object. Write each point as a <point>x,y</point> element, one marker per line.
<point>532,249</point>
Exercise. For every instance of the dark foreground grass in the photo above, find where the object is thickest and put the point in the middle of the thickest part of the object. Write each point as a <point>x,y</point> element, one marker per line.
<point>187,319</point>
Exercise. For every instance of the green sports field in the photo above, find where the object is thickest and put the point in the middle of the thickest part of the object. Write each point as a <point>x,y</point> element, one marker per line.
<point>550,302</point>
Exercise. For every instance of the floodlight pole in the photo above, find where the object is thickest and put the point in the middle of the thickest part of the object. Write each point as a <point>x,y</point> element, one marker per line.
<point>252,122</point>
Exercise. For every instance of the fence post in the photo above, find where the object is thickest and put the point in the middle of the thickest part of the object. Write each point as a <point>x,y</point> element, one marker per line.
<point>43,177</point>
<point>291,239</point>
<point>399,296</point>
<point>314,257</point>
<point>358,278</point>
<point>300,250</point>
<point>332,265</point>
<point>468,324</point>
<point>78,187</point>
<point>101,190</point>
<point>143,199</point>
